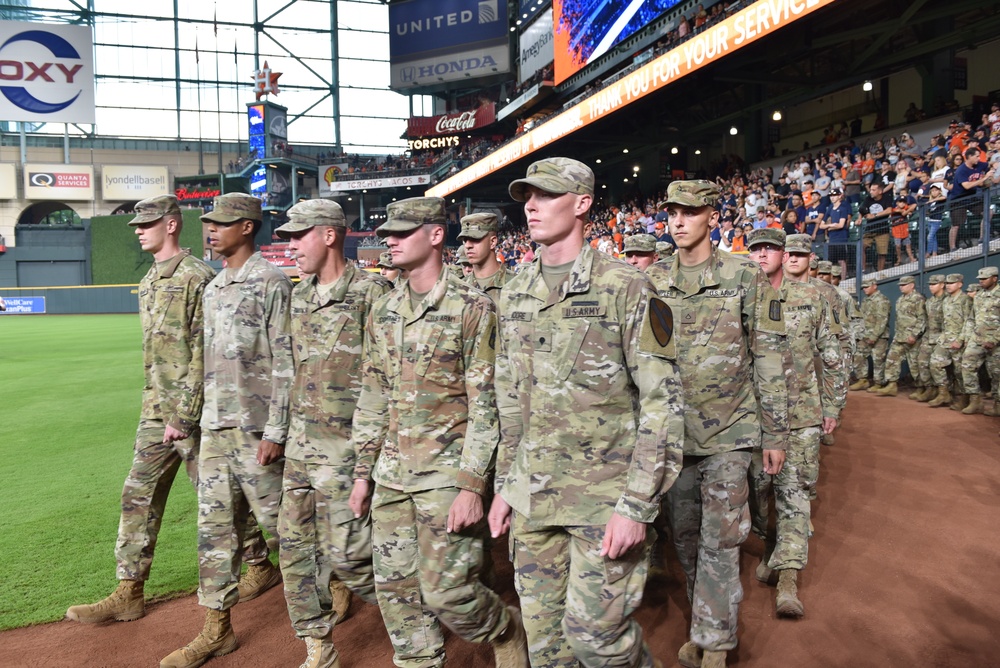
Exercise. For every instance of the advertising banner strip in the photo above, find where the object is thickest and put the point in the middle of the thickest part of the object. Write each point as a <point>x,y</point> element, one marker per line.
<point>536,46</point>
<point>449,124</point>
<point>486,60</point>
<point>744,27</point>
<point>8,181</point>
<point>421,26</point>
<point>60,182</point>
<point>16,305</point>
<point>128,182</point>
<point>371,184</point>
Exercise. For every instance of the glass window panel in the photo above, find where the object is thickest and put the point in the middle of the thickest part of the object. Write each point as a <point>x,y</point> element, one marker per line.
<point>374,46</point>
<point>364,74</point>
<point>384,103</point>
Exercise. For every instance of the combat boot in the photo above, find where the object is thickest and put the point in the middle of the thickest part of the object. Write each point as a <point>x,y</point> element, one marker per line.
<point>257,580</point>
<point>993,410</point>
<point>341,597</point>
<point>874,388</point>
<point>827,439</point>
<point>943,397</point>
<point>959,402</point>
<point>320,653</point>
<point>510,649</point>
<point>714,659</point>
<point>690,655</point>
<point>763,572</point>
<point>788,603</point>
<point>125,604</point>
<point>916,393</point>
<point>928,394</point>
<point>887,390</point>
<point>975,405</point>
<point>216,639</point>
<point>859,385</point>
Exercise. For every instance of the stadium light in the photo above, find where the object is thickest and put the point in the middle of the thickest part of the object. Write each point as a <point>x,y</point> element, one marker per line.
<point>776,116</point>
<point>598,161</point>
<point>408,187</point>
<point>518,22</point>
<point>512,28</point>
<point>624,150</point>
<point>674,150</point>
<point>697,151</point>
<point>626,179</point>
<point>733,131</point>
<point>604,186</point>
<point>867,86</point>
<point>635,169</point>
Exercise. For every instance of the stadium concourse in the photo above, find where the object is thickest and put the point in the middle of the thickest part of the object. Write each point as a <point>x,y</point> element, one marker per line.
<point>903,572</point>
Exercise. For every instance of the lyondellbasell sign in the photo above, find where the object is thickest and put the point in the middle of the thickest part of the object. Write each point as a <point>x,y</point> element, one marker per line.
<point>128,182</point>
<point>760,19</point>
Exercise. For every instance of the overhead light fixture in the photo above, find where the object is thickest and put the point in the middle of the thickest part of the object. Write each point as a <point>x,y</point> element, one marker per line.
<point>598,161</point>
<point>512,28</point>
<point>408,187</point>
<point>776,116</point>
<point>635,170</point>
<point>674,150</point>
<point>626,179</point>
<point>733,131</point>
<point>348,199</point>
<point>604,186</point>
<point>624,150</point>
<point>867,86</point>
<point>518,22</point>
<point>697,151</point>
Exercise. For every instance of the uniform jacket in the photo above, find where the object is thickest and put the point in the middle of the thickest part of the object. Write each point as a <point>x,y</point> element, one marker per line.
<point>875,311</point>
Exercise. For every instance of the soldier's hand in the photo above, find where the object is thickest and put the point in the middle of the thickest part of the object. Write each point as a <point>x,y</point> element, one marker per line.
<point>171,434</point>
<point>466,510</point>
<point>774,461</point>
<point>359,500</point>
<point>499,517</point>
<point>989,345</point>
<point>269,451</point>
<point>621,535</point>
<point>911,340</point>
<point>956,346</point>
<point>829,424</point>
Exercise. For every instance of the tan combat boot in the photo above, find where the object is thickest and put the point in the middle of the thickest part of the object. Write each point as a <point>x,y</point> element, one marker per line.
<point>959,402</point>
<point>887,390</point>
<point>828,439</point>
<point>257,580</point>
<point>690,655</point>
<point>993,410</point>
<point>320,653</point>
<point>788,603</point>
<point>763,573</point>
<point>915,394</point>
<point>859,385</point>
<point>943,397</point>
<point>341,597</point>
<point>216,639</point>
<point>714,659</point>
<point>125,604</point>
<point>928,394</point>
<point>510,649</point>
<point>874,388</point>
<point>975,405</point>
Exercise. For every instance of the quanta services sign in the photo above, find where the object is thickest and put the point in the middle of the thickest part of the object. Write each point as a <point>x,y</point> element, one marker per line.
<point>59,182</point>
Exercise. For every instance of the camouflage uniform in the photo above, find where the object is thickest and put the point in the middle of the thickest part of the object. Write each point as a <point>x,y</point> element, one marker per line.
<point>983,327</point>
<point>730,338</point>
<point>837,324</point>
<point>477,226</point>
<point>955,313</point>
<point>875,311</point>
<point>578,370</point>
<point>425,429</point>
<point>911,320</point>
<point>248,370</point>
<point>321,540</point>
<point>935,316</point>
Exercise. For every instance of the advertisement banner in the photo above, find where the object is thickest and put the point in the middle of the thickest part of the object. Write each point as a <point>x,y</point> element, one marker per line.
<point>126,182</point>
<point>762,18</point>
<point>449,124</point>
<point>332,188</point>
<point>536,46</point>
<point>62,182</point>
<point>420,27</point>
<point>200,191</point>
<point>17,305</point>
<point>8,181</point>
<point>46,73</point>
<point>452,66</point>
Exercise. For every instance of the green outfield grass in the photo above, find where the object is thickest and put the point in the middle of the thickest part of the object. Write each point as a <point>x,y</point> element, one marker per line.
<point>69,402</point>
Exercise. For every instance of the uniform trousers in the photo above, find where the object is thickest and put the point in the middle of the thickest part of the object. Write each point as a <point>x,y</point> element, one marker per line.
<point>973,357</point>
<point>877,352</point>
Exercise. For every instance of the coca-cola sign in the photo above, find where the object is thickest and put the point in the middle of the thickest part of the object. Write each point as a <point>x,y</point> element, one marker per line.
<point>449,124</point>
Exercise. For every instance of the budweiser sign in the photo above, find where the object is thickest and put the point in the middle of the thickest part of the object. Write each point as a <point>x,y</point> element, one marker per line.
<point>449,124</point>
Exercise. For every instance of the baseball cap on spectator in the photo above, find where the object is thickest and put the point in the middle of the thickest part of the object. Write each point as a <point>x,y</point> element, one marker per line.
<point>836,191</point>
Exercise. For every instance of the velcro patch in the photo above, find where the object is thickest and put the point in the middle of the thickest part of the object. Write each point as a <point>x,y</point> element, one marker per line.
<point>520,316</point>
<point>442,318</point>
<point>584,311</point>
<point>721,293</point>
<point>774,311</point>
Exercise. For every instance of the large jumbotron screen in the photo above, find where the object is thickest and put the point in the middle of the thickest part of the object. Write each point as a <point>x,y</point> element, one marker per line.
<point>586,29</point>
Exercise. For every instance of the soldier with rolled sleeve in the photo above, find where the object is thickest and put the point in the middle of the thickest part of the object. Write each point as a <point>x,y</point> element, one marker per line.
<point>814,409</point>
<point>933,308</point>
<point>982,342</point>
<point>426,432</point>
<point>479,240</point>
<point>874,341</point>
<point>170,310</point>
<point>325,551</point>
<point>911,321</point>
<point>586,375</point>
<point>955,311</point>
<point>730,338</point>
<point>248,373</point>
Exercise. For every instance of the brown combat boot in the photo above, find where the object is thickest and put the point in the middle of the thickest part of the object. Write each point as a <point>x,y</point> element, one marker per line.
<point>763,573</point>
<point>974,405</point>
<point>714,659</point>
<point>993,410</point>
<point>859,385</point>
<point>874,388</point>
<point>690,655</point>
<point>887,390</point>
<point>942,398</point>
<point>915,394</point>
<point>828,439</point>
<point>341,597</point>
<point>929,393</point>
<point>125,604</point>
<point>510,649</point>
<point>257,580</point>
<point>788,603</point>
<point>216,639</point>
<point>959,402</point>
<point>320,653</point>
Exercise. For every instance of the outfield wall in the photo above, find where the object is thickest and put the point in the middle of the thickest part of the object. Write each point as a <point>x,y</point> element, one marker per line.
<point>63,300</point>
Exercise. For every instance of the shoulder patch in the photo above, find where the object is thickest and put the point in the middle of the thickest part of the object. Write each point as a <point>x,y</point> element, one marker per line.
<point>774,311</point>
<point>657,337</point>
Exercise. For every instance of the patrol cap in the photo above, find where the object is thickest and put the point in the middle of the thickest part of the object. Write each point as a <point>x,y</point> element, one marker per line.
<point>385,261</point>
<point>975,287</point>
<point>954,278</point>
<point>152,209</point>
<point>907,280</point>
<point>463,256</point>
<point>664,247</point>
<point>477,225</point>
<point>825,267</point>
<point>987,272</point>
<point>869,282</point>
<point>232,208</point>
<point>555,175</point>
<point>814,264</point>
<point>835,270</point>
<point>936,279</point>
<point>800,243</point>
<point>765,235</point>
<point>640,243</point>
<point>411,213</point>
<point>312,213</point>
<point>697,193</point>
<point>662,204</point>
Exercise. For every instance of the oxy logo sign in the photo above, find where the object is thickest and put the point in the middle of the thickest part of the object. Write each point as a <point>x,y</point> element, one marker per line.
<point>46,73</point>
